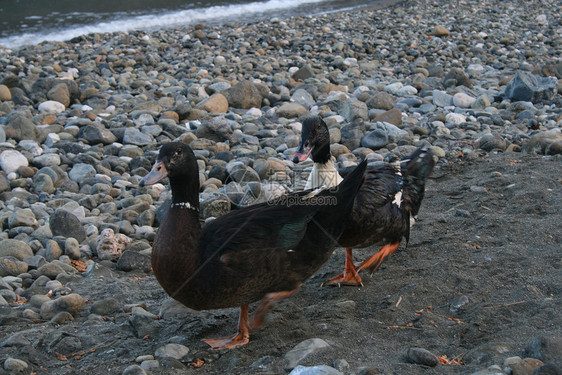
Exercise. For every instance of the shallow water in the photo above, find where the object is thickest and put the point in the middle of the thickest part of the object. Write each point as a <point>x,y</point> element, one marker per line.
<point>33,21</point>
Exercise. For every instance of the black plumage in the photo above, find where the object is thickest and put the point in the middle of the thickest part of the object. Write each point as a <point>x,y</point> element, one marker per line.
<point>263,251</point>
<point>388,199</point>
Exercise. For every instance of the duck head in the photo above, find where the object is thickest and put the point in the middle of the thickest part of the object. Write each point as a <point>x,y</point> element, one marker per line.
<point>315,141</point>
<point>177,162</point>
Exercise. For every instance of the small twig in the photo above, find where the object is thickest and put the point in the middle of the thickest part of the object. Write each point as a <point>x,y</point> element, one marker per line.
<point>405,327</point>
<point>399,300</point>
<point>94,348</point>
<point>502,305</point>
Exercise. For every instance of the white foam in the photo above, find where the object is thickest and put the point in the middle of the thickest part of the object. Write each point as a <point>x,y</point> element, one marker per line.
<point>155,21</point>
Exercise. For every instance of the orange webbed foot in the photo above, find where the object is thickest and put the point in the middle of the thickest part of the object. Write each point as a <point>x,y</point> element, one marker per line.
<point>345,278</point>
<point>349,276</point>
<point>232,342</point>
<point>373,263</point>
<point>237,340</point>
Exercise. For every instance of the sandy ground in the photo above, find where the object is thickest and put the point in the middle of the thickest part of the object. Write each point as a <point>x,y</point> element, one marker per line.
<point>488,229</point>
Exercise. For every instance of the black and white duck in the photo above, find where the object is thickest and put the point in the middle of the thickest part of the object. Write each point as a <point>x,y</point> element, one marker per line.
<point>261,252</point>
<point>385,207</point>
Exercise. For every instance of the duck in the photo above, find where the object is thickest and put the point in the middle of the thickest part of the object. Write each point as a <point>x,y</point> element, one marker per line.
<point>385,208</point>
<point>260,253</point>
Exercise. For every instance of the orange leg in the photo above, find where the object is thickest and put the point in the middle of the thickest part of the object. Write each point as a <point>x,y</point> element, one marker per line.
<point>373,263</point>
<point>349,276</point>
<point>265,304</point>
<point>237,340</point>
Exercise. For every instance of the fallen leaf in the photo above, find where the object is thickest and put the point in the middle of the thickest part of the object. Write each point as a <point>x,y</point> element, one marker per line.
<point>198,363</point>
<point>79,265</point>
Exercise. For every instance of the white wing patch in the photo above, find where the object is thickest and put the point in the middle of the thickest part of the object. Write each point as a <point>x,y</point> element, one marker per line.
<point>398,198</point>
<point>314,192</point>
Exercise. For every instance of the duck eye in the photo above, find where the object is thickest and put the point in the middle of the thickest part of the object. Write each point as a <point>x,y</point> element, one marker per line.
<point>178,151</point>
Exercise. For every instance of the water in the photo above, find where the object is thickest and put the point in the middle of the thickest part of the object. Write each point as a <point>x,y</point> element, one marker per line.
<point>24,22</point>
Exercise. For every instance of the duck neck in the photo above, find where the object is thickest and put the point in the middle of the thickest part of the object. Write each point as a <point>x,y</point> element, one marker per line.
<point>185,193</point>
<point>324,173</point>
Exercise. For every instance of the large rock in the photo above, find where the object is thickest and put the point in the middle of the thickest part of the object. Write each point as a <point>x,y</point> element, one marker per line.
<point>383,134</point>
<point>71,303</point>
<point>244,95</point>
<point>218,129</point>
<point>132,260</point>
<point>303,97</point>
<point>547,143</point>
<point>81,171</point>
<point>64,223</point>
<point>22,218</point>
<point>96,134</point>
<point>304,350</point>
<point>442,99</point>
<point>15,248</point>
<point>355,109</point>
<point>215,103</point>
<point>5,93</point>
<point>11,160</point>
<point>528,87</point>
<point>381,100</point>
<point>351,134</point>
<point>456,77</point>
<point>303,73</point>
<point>10,266</point>
<point>20,126</point>
<point>136,137</point>
<point>60,93</point>
<point>393,116</point>
<point>490,142</point>
<point>51,107</point>
<point>291,110</point>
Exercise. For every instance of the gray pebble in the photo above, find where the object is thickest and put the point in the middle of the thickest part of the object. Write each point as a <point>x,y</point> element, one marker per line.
<point>422,356</point>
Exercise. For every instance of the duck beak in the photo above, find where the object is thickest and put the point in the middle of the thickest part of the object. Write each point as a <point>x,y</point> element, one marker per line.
<point>303,152</point>
<point>157,173</point>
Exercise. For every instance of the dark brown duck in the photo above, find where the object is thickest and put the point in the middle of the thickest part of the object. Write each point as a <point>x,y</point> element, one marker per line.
<point>262,252</point>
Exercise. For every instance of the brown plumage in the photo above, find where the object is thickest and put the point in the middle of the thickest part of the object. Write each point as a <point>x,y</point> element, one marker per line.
<point>259,252</point>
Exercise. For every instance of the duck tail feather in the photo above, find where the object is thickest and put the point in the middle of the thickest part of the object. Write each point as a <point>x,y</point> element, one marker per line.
<point>415,170</point>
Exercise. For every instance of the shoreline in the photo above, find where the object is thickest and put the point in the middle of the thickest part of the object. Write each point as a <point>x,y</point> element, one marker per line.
<point>225,20</point>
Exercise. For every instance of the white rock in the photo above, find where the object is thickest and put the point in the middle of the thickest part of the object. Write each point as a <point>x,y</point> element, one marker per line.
<point>462,100</point>
<point>172,350</point>
<point>11,160</point>
<point>51,106</point>
<point>255,112</point>
<point>303,350</point>
<point>220,60</point>
<point>47,160</point>
<point>455,118</point>
<point>143,230</point>
<point>296,127</point>
<point>350,61</point>
<point>337,96</point>
<point>31,146</point>
<point>315,370</point>
<point>15,365</point>
<point>393,87</point>
<point>541,19</point>
<point>407,90</point>
<point>51,139</point>
<point>202,93</point>
<point>475,70</point>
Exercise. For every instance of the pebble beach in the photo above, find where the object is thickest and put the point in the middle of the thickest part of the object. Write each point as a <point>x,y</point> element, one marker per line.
<point>81,122</point>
